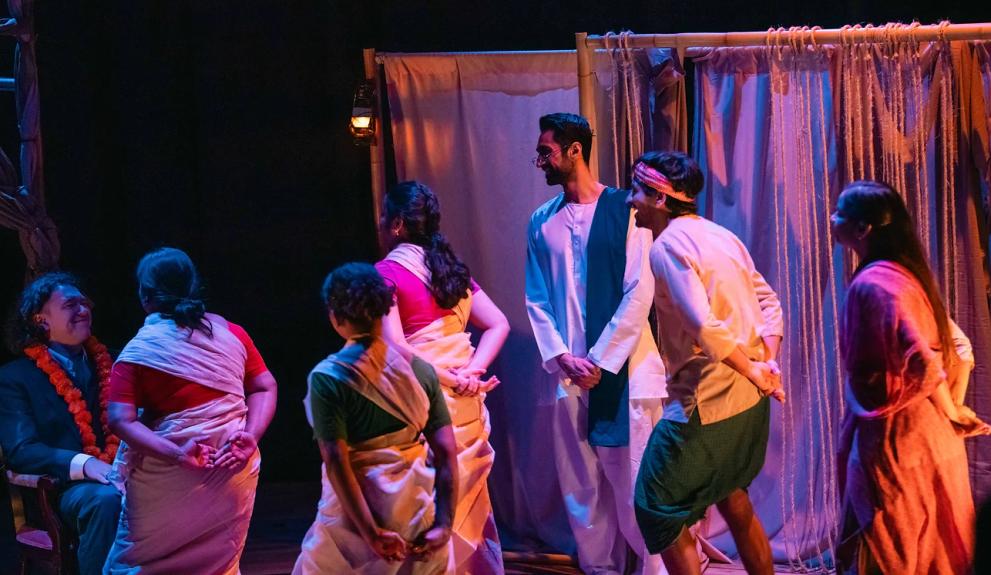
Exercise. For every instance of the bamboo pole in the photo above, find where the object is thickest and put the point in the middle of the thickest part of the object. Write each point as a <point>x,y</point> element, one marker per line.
<point>586,95</point>
<point>805,35</point>
<point>376,150</point>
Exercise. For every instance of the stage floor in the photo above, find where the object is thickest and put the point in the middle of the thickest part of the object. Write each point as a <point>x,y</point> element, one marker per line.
<point>284,511</point>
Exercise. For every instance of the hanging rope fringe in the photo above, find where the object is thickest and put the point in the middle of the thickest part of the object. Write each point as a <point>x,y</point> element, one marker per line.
<point>625,101</point>
<point>888,83</point>
<point>889,86</point>
<point>799,124</point>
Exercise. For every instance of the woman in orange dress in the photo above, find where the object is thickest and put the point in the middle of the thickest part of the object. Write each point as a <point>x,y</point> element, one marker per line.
<point>907,504</point>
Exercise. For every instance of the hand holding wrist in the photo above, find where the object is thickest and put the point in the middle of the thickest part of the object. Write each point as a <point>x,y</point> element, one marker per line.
<point>388,545</point>
<point>96,470</point>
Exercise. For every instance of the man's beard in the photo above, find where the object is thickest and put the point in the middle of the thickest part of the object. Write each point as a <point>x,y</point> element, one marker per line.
<point>555,176</point>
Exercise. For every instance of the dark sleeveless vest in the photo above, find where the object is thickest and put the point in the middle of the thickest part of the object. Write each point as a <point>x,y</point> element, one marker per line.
<point>608,402</point>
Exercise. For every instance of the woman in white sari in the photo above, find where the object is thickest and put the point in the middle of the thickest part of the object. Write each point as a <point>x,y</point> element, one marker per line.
<point>436,299</point>
<point>190,464</point>
<point>386,506</point>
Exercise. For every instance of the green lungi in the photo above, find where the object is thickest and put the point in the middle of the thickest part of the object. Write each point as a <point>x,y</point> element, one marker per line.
<point>689,466</point>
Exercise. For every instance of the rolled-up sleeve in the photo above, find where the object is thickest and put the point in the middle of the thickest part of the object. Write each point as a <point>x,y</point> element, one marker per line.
<point>770,307</point>
<point>961,343</point>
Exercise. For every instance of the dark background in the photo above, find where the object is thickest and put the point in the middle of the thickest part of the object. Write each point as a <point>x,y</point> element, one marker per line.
<point>220,127</point>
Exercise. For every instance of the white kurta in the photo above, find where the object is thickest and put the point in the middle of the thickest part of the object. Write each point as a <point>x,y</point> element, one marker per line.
<point>556,277</point>
<point>710,300</point>
<point>596,483</point>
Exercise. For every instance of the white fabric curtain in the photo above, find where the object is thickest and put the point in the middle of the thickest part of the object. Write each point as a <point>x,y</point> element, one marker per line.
<point>765,141</point>
<point>466,125</point>
<point>973,183</point>
<point>779,130</point>
<point>771,136</point>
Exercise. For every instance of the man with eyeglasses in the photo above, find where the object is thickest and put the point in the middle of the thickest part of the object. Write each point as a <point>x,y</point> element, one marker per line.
<point>51,417</point>
<point>588,292</point>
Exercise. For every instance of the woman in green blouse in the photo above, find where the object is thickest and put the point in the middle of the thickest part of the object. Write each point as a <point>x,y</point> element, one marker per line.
<point>385,508</point>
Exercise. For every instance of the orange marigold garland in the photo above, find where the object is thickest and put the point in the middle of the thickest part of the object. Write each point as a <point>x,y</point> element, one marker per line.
<point>74,398</point>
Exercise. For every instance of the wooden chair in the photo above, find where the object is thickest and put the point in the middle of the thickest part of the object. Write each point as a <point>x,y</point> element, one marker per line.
<point>41,537</point>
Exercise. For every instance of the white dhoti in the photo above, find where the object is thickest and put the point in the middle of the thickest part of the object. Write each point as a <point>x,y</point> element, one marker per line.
<point>597,485</point>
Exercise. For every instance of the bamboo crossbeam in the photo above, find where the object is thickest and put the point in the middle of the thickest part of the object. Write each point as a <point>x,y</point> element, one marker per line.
<point>381,57</point>
<point>804,35</point>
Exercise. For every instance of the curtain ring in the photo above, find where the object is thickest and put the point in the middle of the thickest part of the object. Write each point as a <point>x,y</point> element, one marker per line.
<point>941,31</point>
<point>913,30</point>
<point>611,50</point>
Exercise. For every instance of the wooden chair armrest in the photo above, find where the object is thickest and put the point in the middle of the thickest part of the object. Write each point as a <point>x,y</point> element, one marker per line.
<point>46,482</point>
<point>46,491</point>
<point>23,479</point>
<point>49,483</point>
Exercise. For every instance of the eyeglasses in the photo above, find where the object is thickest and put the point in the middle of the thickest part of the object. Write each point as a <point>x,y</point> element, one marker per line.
<point>543,158</point>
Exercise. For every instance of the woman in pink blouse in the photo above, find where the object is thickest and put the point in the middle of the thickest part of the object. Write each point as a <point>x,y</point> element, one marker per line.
<point>435,301</point>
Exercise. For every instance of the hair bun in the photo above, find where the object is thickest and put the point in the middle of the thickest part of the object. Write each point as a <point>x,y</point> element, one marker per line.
<point>188,303</point>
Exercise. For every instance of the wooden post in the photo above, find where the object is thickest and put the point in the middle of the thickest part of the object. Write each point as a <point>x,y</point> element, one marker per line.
<point>376,151</point>
<point>586,96</point>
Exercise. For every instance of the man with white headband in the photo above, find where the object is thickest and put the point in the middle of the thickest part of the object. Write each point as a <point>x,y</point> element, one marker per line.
<point>720,328</point>
<point>588,294</point>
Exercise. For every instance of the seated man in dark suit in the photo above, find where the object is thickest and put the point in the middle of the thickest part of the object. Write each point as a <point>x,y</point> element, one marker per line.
<point>53,417</point>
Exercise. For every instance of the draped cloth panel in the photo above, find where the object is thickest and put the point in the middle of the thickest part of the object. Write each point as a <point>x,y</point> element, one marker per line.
<point>467,126</point>
<point>973,180</point>
<point>911,115</point>
<point>771,136</point>
<point>640,105</point>
<point>779,130</point>
<point>766,144</point>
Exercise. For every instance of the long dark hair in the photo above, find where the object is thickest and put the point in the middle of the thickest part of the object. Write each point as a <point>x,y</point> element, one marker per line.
<point>419,210</point>
<point>168,281</point>
<point>23,331</point>
<point>893,238</point>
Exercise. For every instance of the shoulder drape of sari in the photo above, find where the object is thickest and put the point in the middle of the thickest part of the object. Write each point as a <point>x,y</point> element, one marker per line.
<point>214,360</point>
<point>393,472</point>
<point>178,520</point>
